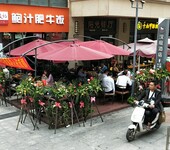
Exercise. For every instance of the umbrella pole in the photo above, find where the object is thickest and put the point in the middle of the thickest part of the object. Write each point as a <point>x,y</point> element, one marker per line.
<point>139,63</point>
<point>35,62</point>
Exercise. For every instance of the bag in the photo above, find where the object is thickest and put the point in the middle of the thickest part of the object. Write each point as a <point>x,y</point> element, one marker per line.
<point>162,117</point>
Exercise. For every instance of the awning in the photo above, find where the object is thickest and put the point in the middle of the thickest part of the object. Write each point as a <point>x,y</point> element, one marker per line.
<point>16,62</point>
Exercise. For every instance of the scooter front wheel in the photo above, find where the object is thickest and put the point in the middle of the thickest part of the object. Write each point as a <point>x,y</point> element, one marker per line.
<point>130,135</point>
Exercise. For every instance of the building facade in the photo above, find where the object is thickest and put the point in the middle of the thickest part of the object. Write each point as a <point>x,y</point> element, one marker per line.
<point>116,18</point>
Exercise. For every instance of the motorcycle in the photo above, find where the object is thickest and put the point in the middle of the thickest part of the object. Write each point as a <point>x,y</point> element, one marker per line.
<point>137,118</point>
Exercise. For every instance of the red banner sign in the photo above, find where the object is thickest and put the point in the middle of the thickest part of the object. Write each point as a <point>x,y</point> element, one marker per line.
<point>16,62</point>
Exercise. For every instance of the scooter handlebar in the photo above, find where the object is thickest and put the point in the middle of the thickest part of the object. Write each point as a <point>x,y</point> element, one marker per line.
<point>141,103</point>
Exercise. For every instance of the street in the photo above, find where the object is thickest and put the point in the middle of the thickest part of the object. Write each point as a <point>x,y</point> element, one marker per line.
<point>107,135</point>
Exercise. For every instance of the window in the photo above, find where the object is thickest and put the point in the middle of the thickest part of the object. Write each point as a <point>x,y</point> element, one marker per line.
<point>18,2</point>
<point>39,2</point>
<point>2,1</point>
<point>58,3</point>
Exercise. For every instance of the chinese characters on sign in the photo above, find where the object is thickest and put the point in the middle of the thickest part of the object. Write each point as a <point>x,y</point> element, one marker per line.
<point>162,43</point>
<point>147,26</point>
<point>100,25</point>
<point>3,18</point>
<point>18,18</point>
<point>28,18</point>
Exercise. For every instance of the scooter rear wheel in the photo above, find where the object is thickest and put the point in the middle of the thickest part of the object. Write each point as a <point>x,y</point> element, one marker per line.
<point>130,135</point>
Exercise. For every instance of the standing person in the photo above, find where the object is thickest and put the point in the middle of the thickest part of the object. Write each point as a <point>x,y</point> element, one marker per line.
<point>152,96</point>
<point>114,69</point>
<point>108,83</point>
<point>48,77</point>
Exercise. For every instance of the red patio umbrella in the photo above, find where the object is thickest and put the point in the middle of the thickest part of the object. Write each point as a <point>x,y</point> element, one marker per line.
<point>24,48</point>
<point>74,52</point>
<point>105,47</point>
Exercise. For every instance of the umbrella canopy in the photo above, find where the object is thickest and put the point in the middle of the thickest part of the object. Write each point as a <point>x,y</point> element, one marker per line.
<point>74,52</point>
<point>24,48</point>
<point>145,48</point>
<point>105,47</point>
<point>146,40</point>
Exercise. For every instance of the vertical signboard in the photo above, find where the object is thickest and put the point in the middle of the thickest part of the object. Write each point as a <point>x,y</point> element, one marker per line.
<point>162,43</point>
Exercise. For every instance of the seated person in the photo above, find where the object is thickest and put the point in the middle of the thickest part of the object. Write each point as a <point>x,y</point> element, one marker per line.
<point>81,74</point>
<point>30,77</point>
<point>154,95</point>
<point>128,73</point>
<point>123,82</point>
<point>103,68</point>
<point>48,77</point>
<point>108,83</point>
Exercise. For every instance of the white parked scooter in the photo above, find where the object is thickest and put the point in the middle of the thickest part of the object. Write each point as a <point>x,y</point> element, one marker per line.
<point>137,119</point>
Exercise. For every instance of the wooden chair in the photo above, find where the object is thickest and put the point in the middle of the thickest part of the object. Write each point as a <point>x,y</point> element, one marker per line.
<point>122,92</point>
<point>112,95</point>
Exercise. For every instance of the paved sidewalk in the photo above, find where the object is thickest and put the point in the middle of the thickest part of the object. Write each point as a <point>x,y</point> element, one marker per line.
<point>107,135</point>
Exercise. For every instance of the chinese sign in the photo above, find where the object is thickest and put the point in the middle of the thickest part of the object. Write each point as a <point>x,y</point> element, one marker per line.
<point>147,26</point>
<point>16,62</point>
<point>3,18</point>
<point>24,18</point>
<point>38,18</point>
<point>101,25</point>
<point>162,43</point>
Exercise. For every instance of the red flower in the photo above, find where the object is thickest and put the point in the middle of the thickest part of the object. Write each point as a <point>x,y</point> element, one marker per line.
<point>81,104</point>
<point>57,104</point>
<point>151,71</point>
<point>158,86</point>
<point>88,80</point>
<point>71,104</point>
<point>141,72</point>
<point>91,78</point>
<point>79,84</point>
<point>41,103</point>
<point>166,83</point>
<point>31,99</point>
<point>3,90</point>
<point>93,99</point>
<point>23,101</point>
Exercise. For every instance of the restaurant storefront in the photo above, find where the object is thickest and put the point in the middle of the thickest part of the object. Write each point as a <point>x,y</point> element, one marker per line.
<point>18,21</point>
<point>145,28</point>
<point>96,27</point>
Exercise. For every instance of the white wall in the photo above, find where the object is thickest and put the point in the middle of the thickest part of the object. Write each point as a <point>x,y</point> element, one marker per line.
<point>118,8</point>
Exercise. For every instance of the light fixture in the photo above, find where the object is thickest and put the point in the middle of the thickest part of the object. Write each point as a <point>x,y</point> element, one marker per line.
<point>143,2</point>
<point>137,5</point>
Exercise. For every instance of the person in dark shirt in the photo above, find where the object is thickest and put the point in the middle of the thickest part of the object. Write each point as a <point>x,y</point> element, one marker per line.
<point>152,96</point>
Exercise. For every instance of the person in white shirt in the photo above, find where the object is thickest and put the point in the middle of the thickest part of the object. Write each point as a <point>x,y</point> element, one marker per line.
<point>123,82</point>
<point>128,73</point>
<point>108,83</point>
